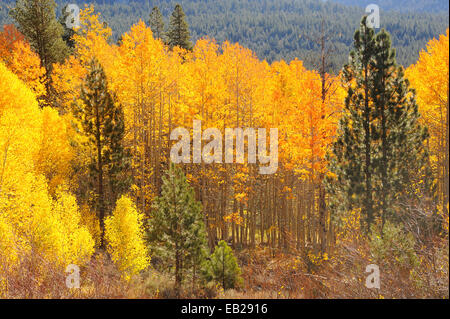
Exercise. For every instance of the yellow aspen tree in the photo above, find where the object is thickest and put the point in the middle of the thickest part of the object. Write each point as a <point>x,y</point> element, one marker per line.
<point>25,203</point>
<point>124,233</point>
<point>430,78</point>
<point>53,159</point>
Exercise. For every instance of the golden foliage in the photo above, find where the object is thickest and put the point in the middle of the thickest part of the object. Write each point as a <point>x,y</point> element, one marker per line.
<point>33,220</point>
<point>22,61</point>
<point>430,78</point>
<point>55,152</point>
<point>124,233</point>
<point>90,220</point>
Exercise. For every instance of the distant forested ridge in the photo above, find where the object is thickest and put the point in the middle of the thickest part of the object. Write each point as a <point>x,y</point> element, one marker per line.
<point>402,5</point>
<point>284,29</point>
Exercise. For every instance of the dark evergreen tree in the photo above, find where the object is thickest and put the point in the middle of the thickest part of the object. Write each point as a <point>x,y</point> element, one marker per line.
<point>177,226</point>
<point>352,161</point>
<point>178,32</point>
<point>399,138</point>
<point>156,23</point>
<point>222,267</point>
<point>379,132</point>
<point>102,122</point>
<point>37,21</point>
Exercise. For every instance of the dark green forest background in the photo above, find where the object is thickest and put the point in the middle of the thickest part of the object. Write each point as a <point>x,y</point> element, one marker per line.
<point>284,29</point>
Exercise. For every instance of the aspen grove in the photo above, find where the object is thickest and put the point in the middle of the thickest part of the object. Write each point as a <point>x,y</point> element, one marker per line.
<point>87,175</point>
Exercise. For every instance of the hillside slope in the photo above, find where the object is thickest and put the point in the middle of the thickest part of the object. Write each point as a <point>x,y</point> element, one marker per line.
<point>280,29</point>
<point>402,5</point>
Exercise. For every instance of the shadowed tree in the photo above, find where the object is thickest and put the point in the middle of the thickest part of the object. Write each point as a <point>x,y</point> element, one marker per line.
<point>156,23</point>
<point>37,21</point>
<point>177,225</point>
<point>102,122</point>
<point>178,33</point>
<point>379,133</point>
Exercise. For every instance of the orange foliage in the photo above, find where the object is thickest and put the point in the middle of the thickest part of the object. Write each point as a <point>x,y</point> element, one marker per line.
<point>21,60</point>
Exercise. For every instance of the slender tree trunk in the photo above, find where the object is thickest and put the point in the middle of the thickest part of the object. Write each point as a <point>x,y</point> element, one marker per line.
<point>368,162</point>
<point>178,266</point>
<point>322,219</point>
<point>384,180</point>
<point>101,199</point>
<point>446,165</point>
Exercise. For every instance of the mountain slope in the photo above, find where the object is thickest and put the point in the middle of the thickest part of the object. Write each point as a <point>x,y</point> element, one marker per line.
<point>281,29</point>
<point>402,5</point>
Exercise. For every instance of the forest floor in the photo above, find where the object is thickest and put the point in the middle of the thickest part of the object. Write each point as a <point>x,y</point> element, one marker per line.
<point>265,276</point>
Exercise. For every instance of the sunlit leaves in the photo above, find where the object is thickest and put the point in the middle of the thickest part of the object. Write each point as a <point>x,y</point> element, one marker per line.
<point>125,238</point>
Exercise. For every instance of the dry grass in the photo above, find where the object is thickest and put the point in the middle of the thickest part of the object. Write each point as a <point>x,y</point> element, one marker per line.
<point>265,276</point>
<point>342,276</point>
<point>35,278</point>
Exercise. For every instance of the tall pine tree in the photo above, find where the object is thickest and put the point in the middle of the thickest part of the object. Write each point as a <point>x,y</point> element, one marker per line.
<point>380,151</point>
<point>402,158</point>
<point>178,32</point>
<point>37,21</point>
<point>102,122</point>
<point>177,225</point>
<point>156,23</point>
